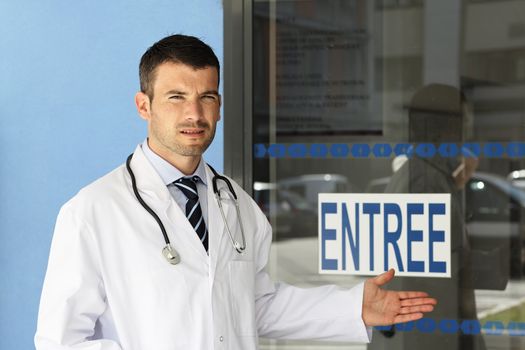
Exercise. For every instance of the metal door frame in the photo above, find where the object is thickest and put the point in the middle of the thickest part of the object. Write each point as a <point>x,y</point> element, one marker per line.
<point>237,91</point>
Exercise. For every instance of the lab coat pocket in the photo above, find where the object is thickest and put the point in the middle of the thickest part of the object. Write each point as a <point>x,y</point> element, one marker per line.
<point>242,292</point>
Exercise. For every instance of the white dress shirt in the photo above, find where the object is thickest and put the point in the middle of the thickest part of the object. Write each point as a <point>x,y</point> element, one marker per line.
<point>169,173</point>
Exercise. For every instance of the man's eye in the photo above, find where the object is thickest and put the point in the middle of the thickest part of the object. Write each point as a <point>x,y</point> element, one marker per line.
<point>209,97</point>
<point>176,97</point>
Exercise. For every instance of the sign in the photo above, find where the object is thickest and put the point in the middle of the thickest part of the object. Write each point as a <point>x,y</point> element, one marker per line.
<point>368,234</point>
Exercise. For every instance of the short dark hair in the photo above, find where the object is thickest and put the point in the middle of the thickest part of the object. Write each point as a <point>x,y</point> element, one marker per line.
<point>436,114</point>
<point>177,48</point>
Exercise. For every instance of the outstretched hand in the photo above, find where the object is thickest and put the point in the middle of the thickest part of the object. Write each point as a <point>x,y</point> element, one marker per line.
<point>384,307</point>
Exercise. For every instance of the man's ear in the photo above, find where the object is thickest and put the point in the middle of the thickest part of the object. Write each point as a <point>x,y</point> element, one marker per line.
<point>142,103</point>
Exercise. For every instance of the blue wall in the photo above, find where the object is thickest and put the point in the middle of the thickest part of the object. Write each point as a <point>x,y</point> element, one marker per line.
<point>68,74</point>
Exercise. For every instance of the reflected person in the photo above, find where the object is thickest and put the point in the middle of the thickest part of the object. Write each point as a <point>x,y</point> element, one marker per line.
<point>437,115</point>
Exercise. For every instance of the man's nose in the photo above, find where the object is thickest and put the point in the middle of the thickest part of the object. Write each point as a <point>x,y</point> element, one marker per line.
<point>193,109</point>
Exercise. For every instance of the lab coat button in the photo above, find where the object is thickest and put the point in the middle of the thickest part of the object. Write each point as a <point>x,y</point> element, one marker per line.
<point>221,338</point>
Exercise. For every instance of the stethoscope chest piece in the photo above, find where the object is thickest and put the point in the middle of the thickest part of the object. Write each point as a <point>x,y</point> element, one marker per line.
<point>171,255</point>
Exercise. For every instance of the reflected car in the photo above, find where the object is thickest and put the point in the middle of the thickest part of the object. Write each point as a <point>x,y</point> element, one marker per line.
<point>517,178</point>
<point>294,216</point>
<point>495,218</point>
<point>310,185</point>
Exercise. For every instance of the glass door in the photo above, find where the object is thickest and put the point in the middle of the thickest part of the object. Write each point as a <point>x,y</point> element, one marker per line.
<point>397,97</point>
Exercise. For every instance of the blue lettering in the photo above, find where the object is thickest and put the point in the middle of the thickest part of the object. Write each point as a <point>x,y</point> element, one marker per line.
<point>391,237</point>
<point>405,327</point>
<point>360,150</point>
<point>327,234</point>
<point>471,327</point>
<point>448,150</point>
<point>471,150</point>
<point>448,326</point>
<point>516,149</point>
<point>339,150</point>
<point>493,327</point>
<point>382,150</point>
<point>259,150</point>
<point>318,150</point>
<point>493,149</point>
<point>426,150</point>
<point>451,326</point>
<point>516,328</point>
<point>371,209</point>
<point>435,236</point>
<point>403,148</point>
<point>414,236</point>
<point>297,150</point>
<point>277,150</point>
<point>426,325</point>
<point>347,230</point>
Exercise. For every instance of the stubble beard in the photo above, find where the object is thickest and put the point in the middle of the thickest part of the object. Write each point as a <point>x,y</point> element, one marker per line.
<point>184,150</point>
<point>192,151</point>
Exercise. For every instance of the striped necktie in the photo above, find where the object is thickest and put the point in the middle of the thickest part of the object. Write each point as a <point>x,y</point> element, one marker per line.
<point>188,186</point>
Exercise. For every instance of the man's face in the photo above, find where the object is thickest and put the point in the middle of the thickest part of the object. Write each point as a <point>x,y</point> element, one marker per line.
<point>184,111</point>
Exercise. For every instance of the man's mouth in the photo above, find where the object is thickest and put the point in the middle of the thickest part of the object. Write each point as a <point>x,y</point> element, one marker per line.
<point>192,131</point>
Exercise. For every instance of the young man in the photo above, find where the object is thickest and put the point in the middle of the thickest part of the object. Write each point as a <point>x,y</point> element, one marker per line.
<point>108,284</point>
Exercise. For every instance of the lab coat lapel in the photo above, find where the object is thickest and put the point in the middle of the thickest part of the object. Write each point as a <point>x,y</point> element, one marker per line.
<point>156,194</point>
<point>149,183</point>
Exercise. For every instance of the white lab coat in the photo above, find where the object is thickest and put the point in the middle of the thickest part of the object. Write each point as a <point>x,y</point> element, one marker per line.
<point>108,287</point>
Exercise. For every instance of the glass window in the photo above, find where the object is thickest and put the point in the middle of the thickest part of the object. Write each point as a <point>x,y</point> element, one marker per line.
<point>398,97</point>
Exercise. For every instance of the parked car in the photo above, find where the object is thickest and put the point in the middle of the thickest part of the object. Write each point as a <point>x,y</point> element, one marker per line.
<point>295,205</point>
<point>494,213</point>
<point>517,178</point>
<point>294,217</point>
<point>310,185</point>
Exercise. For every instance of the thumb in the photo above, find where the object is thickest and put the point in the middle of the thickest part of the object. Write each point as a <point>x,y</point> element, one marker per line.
<point>384,278</point>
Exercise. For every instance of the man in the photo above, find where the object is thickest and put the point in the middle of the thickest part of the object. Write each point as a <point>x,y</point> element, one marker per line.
<point>109,287</point>
<point>437,115</point>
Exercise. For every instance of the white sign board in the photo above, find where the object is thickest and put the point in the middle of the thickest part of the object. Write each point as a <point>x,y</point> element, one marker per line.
<point>367,234</point>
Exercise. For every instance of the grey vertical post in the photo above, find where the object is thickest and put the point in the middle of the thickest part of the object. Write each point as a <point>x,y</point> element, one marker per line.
<point>442,41</point>
<point>238,91</point>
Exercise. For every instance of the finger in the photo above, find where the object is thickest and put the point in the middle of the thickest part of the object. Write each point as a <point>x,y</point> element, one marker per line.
<point>384,278</point>
<point>411,295</point>
<point>418,301</point>
<point>416,309</point>
<point>408,317</point>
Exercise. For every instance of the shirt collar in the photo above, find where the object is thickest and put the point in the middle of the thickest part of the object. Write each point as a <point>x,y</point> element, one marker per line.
<point>168,172</point>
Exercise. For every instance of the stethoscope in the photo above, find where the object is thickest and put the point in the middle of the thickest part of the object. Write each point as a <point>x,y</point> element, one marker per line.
<point>171,255</point>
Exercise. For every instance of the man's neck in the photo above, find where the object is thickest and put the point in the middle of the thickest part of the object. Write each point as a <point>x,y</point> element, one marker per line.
<point>185,164</point>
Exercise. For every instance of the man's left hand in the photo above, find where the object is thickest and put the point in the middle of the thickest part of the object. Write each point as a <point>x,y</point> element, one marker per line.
<point>384,307</point>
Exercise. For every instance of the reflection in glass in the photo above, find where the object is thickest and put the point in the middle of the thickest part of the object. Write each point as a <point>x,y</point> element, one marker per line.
<point>346,71</point>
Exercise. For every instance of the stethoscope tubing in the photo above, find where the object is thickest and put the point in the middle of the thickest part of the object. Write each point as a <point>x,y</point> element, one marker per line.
<point>170,253</point>
<point>141,201</point>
